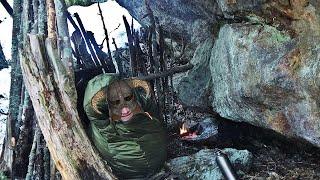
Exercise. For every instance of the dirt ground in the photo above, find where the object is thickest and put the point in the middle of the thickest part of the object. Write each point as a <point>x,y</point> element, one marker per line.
<point>274,157</point>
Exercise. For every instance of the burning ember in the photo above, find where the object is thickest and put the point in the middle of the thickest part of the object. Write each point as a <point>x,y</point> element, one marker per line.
<point>205,130</point>
<point>186,134</point>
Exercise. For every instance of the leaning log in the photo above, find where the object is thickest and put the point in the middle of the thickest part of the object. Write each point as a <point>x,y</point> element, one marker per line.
<point>167,73</point>
<point>50,87</point>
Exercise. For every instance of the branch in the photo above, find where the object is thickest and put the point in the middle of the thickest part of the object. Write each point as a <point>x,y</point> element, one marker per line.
<point>32,156</point>
<point>169,72</point>
<point>51,13</point>
<point>115,28</point>
<point>3,113</point>
<point>105,31</point>
<point>7,6</point>
<point>131,48</point>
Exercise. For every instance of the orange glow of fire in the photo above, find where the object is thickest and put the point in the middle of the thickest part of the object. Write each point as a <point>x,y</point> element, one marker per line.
<point>186,134</point>
<point>183,129</point>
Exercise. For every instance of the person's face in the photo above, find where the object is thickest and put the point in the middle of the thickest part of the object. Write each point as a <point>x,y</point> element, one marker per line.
<point>121,101</point>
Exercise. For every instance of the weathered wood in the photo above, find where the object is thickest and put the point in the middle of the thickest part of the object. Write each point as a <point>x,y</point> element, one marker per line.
<point>24,140</point>
<point>105,32</point>
<point>141,62</point>
<point>46,165</point>
<point>38,171</point>
<point>35,5</point>
<point>42,17</point>
<point>54,104</point>
<point>131,47</point>
<point>32,155</point>
<point>15,90</point>
<point>51,23</point>
<point>169,72</point>
<point>163,68</point>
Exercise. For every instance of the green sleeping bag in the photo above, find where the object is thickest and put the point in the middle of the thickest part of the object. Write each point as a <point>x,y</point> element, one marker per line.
<point>136,149</point>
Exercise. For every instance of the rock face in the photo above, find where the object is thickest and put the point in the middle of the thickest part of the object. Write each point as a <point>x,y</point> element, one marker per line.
<point>193,21</point>
<point>262,76</point>
<point>202,165</point>
<point>193,89</point>
<point>270,78</point>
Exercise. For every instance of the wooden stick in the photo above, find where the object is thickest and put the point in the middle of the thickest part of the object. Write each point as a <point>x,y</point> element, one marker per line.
<point>114,43</point>
<point>169,72</point>
<point>131,48</point>
<point>7,6</point>
<point>84,34</point>
<point>105,31</point>
<point>32,156</point>
<point>149,77</point>
<point>51,14</point>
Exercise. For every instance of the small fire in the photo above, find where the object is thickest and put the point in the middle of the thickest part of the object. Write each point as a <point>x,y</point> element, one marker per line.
<point>183,129</point>
<point>186,134</point>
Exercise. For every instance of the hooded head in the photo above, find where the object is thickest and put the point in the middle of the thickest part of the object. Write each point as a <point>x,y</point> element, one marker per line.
<point>121,101</point>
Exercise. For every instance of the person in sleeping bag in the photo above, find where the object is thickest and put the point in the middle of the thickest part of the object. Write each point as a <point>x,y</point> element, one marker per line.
<point>124,126</point>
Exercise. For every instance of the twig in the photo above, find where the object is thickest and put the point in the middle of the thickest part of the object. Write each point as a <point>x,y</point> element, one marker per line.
<point>93,54</point>
<point>3,113</point>
<point>7,6</point>
<point>114,43</point>
<point>32,156</point>
<point>149,77</point>
<point>115,28</point>
<point>169,72</point>
<point>131,48</point>
<point>105,31</point>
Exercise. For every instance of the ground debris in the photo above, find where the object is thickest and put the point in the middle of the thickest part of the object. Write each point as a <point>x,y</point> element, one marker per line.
<point>274,157</point>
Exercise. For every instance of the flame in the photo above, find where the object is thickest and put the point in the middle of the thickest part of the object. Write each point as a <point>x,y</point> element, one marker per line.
<point>183,129</point>
<point>186,134</point>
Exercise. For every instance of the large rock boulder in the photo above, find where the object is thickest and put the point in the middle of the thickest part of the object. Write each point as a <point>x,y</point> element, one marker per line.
<point>264,73</point>
<point>263,76</point>
<point>202,165</point>
<point>193,88</point>
<point>193,21</point>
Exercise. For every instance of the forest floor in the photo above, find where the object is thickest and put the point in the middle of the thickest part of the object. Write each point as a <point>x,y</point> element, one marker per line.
<point>274,156</point>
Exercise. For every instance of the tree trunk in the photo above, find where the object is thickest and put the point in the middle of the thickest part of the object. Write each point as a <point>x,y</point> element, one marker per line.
<point>53,96</point>
<point>7,156</point>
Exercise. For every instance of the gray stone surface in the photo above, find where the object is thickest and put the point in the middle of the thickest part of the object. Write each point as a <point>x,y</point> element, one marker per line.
<point>193,21</point>
<point>193,89</point>
<point>262,76</point>
<point>231,7</point>
<point>178,17</point>
<point>203,166</point>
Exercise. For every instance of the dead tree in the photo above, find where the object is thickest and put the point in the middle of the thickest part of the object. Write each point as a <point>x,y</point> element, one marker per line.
<point>47,68</point>
<point>16,89</point>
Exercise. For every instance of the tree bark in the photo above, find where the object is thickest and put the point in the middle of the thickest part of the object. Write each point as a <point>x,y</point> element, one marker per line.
<point>50,89</point>
<point>7,156</point>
